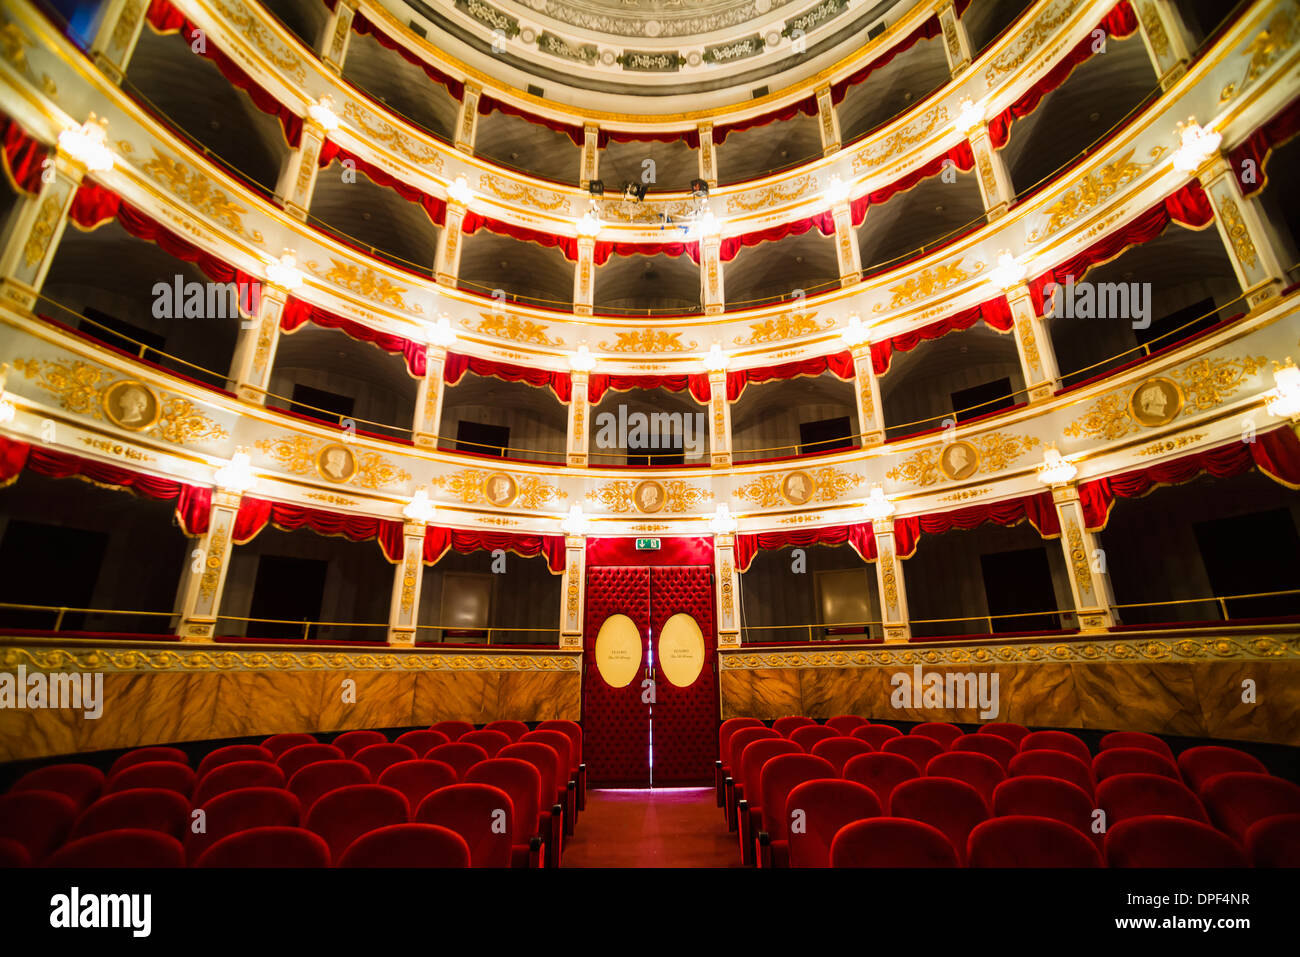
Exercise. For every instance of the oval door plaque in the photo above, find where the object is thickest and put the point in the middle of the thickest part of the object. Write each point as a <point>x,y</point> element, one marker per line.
<point>681,650</point>
<point>618,651</point>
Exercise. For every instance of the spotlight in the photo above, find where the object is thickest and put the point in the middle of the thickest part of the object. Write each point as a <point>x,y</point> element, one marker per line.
<point>596,188</point>
<point>699,189</point>
<point>634,192</point>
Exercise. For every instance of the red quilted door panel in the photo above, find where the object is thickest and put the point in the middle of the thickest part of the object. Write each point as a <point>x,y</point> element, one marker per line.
<point>615,721</point>
<point>685,720</point>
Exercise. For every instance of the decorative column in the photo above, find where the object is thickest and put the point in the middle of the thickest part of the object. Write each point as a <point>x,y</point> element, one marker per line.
<point>871,415</point>
<point>428,399</point>
<point>1089,583</point>
<point>827,121</point>
<point>584,285</point>
<point>889,576</point>
<point>590,155</point>
<point>573,591</point>
<point>578,421</point>
<point>1245,232</point>
<point>298,174</point>
<point>467,119</point>
<point>204,578</point>
<point>116,38</point>
<point>711,276</point>
<point>708,155</point>
<point>334,43</point>
<point>728,585</point>
<point>846,245</point>
<point>447,261</point>
<point>1166,38</point>
<point>404,612</point>
<point>1034,345</point>
<point>250,369</point>
<point>956,42</point>
<point>720,416</point>
<point>37,226</point>
<point>995,184</point>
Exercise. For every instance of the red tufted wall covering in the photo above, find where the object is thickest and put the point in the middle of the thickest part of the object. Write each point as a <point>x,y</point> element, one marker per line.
<point>685,719</point>
<point>615,725</point>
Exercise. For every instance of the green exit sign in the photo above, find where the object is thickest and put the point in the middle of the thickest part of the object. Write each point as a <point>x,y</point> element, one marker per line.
<point>647,544</point>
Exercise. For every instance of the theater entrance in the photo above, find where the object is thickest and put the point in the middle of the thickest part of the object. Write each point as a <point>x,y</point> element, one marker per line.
<point>650,688</point>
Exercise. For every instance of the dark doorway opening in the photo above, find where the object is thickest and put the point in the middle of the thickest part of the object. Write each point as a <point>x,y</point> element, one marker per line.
<point>321,404</point>
<point>1016,583</point>
<point>825,435</point>
<point>982,399</point>
<point>1249,555</point>
<point>48,565</point>
<point>1167,324</point>
<point>289,590</point>
<point>481,438</point>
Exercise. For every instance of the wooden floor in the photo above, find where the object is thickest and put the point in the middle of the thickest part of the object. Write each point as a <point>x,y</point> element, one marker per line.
<point>670,827</point>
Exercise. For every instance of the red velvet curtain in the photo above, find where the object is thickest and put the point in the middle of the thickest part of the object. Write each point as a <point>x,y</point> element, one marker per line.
<point>690,137</point>
<point>603,250</point>
<point>839,364</point>
<point>296,313</point>
<point>995,312</point>
<point>960,155</point>
<point>566,244</point>
<point>859,536</point>
<point>435,208</point>
<point>488,104</point>
<point>806,106</point>
<point>1260,144</point>
<point>165,18</point>
<point>457,365</point>
<point>1038,509</point>
<point>927,30</point>
<point>1118,24</point>
<point>732,245</point>
<point>362,25</point>
<point>437,541</point>
<point>255,513</point>
<point>23,156</point>
<point>598,383</point>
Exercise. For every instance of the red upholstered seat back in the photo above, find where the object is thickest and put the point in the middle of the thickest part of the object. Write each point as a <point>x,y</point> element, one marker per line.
<point>378,757</point>
<point>1175,842</point>
<point>778,777</point>
<point>1056,741</point>
<point>343,815</point>
<point>574,732</point>
<point>452,729</point>
<point>481,814</point>
<point>1015,733</point>
<point>417,779</point>
<point>38,820</point>
<point>263,847</point>
<point>978,770</point>
<point>783,726</point>
<point>542,758</point>
<point>237,811</point>
<point>127,847</point>
<point>1274,841</point>
<point>939,731</point>
<point>350,742</point>
<point>810,734</point>
<point>729,728</point>
<point>519,779</point>
<point>562,746</point>
<point>1141,795</point>
<point>514,730</point>
<point>408,845</point>
<point>999,749</point>
<point>1239,799</point>
<point>13,854</point>
<point>919,750</point>
<point>291,761</point>
<point>827,806</point>
<point>838,750</point>
<point>153,809</point>
<point>891,842</point>
<point>1053,764</point>
<point>142,755</point>
<point>490,741</point>
<point>168,775</point>
<point>1021,841</point>
<point>752,759</point>
<point>462,757</point>
<point>1200,764</point>
<point>881,773</point>
<point>317,779</point>
<point>876,734</point>
<point>954,807</point>
<point>845,723</point>
<point>1038,796</point>
<point>737,743</point>
<point>1133,761</point>
<point>277,744</point>
<point>239,774</point>
<point>1136,739</point>
<point>422,742</point>
<point>80,782</point>
<point>231,753</point>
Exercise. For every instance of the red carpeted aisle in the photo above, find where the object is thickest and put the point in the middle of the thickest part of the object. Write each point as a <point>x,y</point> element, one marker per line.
<point>672,827</point>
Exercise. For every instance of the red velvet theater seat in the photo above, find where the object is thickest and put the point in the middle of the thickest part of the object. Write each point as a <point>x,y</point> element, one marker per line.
<point>263,847</point>
<point>295,759</point>
<point>1136,739</point>
<point>876,734</point>
<point>343,815</point>
<point>142,755</point>
<point>1239,799</point>
<point>954,807</point>
<point>725,732</point>
<point>1107,764</point>
<point>566,787</point>
<point>277,744</point>
<point>38,820</point>
<point>377,757</point>
<point>462,757</point>
<point>514,730</point>
<point>918,750</point>
<point>1020,841</point>
<point>1054,798</point>
<point>240,774</point>
<point>578,769</point>
<point>809,735</point>
<point>839,749</point>
<point>978,770</point>
<point>749,807</point>
<point>828,805</point>
<point>481,814</point>
<point>1015,733</point>
<point>1141,795</point>
<point>1274,841</point>
<point>318,779</point>
<point>1056,741</point>
<point>781,775</point>
<point>80,782</point>
<point>13,854</point>
<point>453,729</point>
<point>350,742</point>
<point>523,783</point>
<point>417,779</point>
<point>408,845</point>
<point>242,810</point>
<point>1200,764</point>
<point>167,775</point>
<point>151,809</point>
<point>422,742</point>
<point>999,749</point>
<point>783,726</point>
<point>129,847</point>
<point>891,842</point>
<point>880,772</point>
<point>736,744</point>
<point>845,723</point>
<point>489,741</point>
<point>231,753</point>
<point>1053,764</point>
<point>1174,842</point>
<point>550,815</point>
<point>939,731</point>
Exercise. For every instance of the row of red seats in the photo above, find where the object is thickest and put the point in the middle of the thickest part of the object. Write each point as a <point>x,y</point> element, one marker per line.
<point>955,783</point>
<point>489,779</point>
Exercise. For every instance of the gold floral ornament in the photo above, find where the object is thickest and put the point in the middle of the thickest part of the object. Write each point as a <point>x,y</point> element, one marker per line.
<point>772,196</point>
<point>926,283</point>
<point>512,327</point>
<point>303,455</point>
<point>649,340</point>
<point>902,140</point>
<point>1265,49</point>
<point>1091,191</point>
<point>388,135</point>
<point>621,496</point>
<point>990,452</point>
<point>524,194</point>
<point>366,283</point>
<point>788,325</point>
<point>825,484</point>
<point>475,486</point>
<point>197,191</point>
